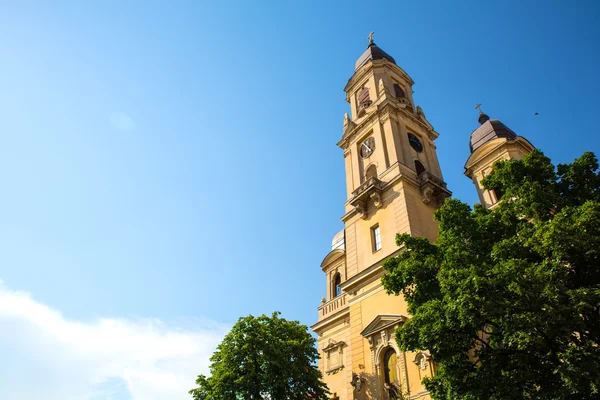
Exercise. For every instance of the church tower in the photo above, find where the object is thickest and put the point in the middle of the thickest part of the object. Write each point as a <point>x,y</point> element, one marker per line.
<point>490,142</point>
<point>394,185</point>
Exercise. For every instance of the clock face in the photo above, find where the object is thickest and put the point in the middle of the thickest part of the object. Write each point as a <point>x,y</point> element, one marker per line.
<point>367,147</point>
<point>415,143</point>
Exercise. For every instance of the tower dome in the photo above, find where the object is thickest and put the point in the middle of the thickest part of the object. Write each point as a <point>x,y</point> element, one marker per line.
<point>373,52</point>
<point>490,129</point>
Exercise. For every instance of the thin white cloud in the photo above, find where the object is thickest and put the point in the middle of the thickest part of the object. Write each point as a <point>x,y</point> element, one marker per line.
<point>48,356</point>
<point>122,121</point>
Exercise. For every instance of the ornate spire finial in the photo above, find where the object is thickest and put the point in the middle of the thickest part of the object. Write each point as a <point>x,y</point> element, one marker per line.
<point>478,106</point>
<point>371,38</point>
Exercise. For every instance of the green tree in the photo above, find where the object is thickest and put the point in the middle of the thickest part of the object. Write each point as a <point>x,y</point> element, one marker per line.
<point>507,301</point>
<point>263,358</point>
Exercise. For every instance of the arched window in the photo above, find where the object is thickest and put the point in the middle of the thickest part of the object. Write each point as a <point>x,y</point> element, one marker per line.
<point>371,172</point>
<point>391,379</point>
<point>419,167</point>
<point>390,373</point>
<point>398,91</point>
<point>337,281</point>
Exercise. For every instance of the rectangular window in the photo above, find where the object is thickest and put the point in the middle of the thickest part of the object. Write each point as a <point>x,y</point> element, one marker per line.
<point>376,238</point>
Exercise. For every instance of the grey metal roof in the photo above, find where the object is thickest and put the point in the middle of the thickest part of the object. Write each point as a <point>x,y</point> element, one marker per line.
<point>489,130</point>
<point>373,52</point>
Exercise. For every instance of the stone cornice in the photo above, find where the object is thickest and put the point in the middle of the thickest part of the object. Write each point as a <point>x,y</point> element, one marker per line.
<point>431,133</point>
<point>476,157</point>
<point>347,138</point>
<point>405,174</point>
<point>366,69</point>
<point>331,258</point>
<point>367,275</point>
<point>380,109</point>
<point>331,319</point>
<point>493,148</point>
<point>384,108</point>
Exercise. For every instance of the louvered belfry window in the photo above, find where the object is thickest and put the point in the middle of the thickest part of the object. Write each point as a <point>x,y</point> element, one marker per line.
<point>364,100</point>
<point>398,91</point>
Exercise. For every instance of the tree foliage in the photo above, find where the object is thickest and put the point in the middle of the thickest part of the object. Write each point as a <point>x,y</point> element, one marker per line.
<point>263,358</point>
<point>507,301</point>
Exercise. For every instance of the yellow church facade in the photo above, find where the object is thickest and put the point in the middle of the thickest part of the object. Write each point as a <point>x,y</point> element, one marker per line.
<point>394,185</point>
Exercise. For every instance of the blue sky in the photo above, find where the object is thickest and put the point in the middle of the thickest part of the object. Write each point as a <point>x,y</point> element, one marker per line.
<point>168,167</point>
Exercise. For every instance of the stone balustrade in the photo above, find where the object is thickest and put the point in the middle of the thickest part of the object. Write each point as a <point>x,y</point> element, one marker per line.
<point>332,306</point>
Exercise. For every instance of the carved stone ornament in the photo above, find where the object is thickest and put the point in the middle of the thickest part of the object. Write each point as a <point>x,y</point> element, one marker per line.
<point>422,118</point>
<point>361,208</point>
<point>421,360</point>
<point>376,197</point>
<point>349,125</point>
<point>371,342</point>
<point>356,382</point>
<point>432,188</point>
<point>427,195</point>
<point>370,190</point>
<point>384,338</point>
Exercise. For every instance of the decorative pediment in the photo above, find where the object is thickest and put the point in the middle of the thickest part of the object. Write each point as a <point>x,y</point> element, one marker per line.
<point>330,258</point>
<point>382,322</point>
<point>333,344</point>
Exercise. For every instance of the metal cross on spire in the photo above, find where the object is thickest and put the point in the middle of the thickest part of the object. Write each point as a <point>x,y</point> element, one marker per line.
<point>371,37</point>
<point>478,106</point>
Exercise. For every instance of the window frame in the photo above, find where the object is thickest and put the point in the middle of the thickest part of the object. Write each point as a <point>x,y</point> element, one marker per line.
<point>415,142</point>
<point>376,238</point>
<point>337,281</point>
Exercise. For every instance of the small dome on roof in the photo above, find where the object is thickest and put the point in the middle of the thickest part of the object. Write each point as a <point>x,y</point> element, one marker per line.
<point>338,241</point>
<point>490,129</point>
<point>373,52</point>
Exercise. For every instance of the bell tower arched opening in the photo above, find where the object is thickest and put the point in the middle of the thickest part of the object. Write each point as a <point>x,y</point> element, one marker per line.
<point>419,167</point>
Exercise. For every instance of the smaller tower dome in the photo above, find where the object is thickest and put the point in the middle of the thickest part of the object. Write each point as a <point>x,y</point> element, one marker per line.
<point>490,129</point>
<point>504,144</point>
<point>338,241</point>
